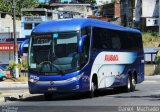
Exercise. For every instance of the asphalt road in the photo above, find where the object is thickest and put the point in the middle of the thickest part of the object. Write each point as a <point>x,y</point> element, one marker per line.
<point>146,94</point>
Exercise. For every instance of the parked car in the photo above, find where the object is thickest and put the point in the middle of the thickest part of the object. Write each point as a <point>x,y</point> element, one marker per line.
<point>2,76</point>
<point>7,73</point>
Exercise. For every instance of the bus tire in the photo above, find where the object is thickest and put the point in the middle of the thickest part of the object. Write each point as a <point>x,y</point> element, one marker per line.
<point>93,91</point>
<point>127,88</point>
<point>133,84</point>
<point>48,96</point>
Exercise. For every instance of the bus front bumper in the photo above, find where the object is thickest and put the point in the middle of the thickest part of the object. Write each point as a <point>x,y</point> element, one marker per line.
<point>41,87</point>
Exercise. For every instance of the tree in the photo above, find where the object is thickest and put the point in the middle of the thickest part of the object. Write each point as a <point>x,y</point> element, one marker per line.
<point>6,5</point>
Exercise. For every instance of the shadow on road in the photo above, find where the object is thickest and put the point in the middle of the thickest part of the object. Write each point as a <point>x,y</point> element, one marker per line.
<point>155,97</point>
<point>72,96</point>
<point>115,93</point>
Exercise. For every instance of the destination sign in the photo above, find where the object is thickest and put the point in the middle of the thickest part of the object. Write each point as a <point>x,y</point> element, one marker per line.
<point>42,39</point>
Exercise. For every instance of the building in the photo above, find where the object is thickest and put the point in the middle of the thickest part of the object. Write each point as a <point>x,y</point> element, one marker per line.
<point>6,38</point>
<point>149,14</point>
<point>6,25</point>
<point>32,17</point>
<point>98,2</point>
<point>112,12</point>
<point>141,14</point>
<point>127,7</point>
<point>82,10</point>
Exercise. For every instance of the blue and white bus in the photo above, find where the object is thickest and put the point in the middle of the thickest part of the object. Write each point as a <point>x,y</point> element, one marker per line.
<point>80,55</point>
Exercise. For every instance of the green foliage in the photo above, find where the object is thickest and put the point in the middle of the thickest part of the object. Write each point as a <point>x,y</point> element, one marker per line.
<point>20,66</point>
<point>6,5</point>
<point>24,65</point>
<point>151,38</point>
<point>157,60</point>
<point>157,69</point>
<point>12,66</point>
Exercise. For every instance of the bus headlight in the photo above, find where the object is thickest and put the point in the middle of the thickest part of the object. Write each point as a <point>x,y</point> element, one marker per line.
<point>75,78</point>
<point>33,80</point>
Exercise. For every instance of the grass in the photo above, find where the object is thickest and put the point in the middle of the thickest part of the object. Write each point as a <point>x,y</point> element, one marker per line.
<point>151,39</point>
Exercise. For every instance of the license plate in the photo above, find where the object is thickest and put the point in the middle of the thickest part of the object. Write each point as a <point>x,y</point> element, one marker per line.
<point>52,89</point>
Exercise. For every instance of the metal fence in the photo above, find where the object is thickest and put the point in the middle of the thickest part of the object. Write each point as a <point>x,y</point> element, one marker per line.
<point>149,57</point>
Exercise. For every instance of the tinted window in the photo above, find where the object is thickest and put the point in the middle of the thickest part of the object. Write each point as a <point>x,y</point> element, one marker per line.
<point>116,40</point>
<point>131,41</point>
<point>28,26</point>
<point>101,39</point>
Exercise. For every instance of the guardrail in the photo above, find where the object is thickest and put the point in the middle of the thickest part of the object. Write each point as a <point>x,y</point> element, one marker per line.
<point>149,57</point>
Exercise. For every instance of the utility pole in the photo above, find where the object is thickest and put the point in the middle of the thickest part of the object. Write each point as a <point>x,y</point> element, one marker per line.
<point>13,4</point>
<point>15,39</point>
<point>9,35</point>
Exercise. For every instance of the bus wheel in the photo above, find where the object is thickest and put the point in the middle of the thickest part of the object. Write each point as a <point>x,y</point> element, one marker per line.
<point>93,91</point>
<point>127,88</point>
<point>133,84</point>
<point>48,96</point>
<point>130,87</point>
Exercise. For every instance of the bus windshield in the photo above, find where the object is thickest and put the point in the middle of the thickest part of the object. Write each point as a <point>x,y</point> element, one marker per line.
<point>55,52</point>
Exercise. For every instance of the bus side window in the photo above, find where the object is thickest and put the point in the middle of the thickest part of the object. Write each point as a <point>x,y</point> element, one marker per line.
<point>101,39</point>
<point>116,43</point>
<point>133,41</point>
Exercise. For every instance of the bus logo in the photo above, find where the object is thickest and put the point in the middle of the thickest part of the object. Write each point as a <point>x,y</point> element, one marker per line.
<point>111,58</point>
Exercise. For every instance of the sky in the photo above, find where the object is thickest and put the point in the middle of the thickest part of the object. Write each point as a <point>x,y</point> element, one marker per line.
<point>41,0</point>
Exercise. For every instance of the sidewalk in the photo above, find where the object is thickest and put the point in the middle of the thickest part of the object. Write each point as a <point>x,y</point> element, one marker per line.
<point>13,94</point>
<point>13,84</point>
<point>153,77</point>
<point>13,90</point>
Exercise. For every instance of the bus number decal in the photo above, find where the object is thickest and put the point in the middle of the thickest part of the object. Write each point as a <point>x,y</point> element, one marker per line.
<point>111,58</point>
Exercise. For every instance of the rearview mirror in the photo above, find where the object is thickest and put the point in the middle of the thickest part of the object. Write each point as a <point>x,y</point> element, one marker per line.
<point>23,48</point>
<point>80,43</point>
